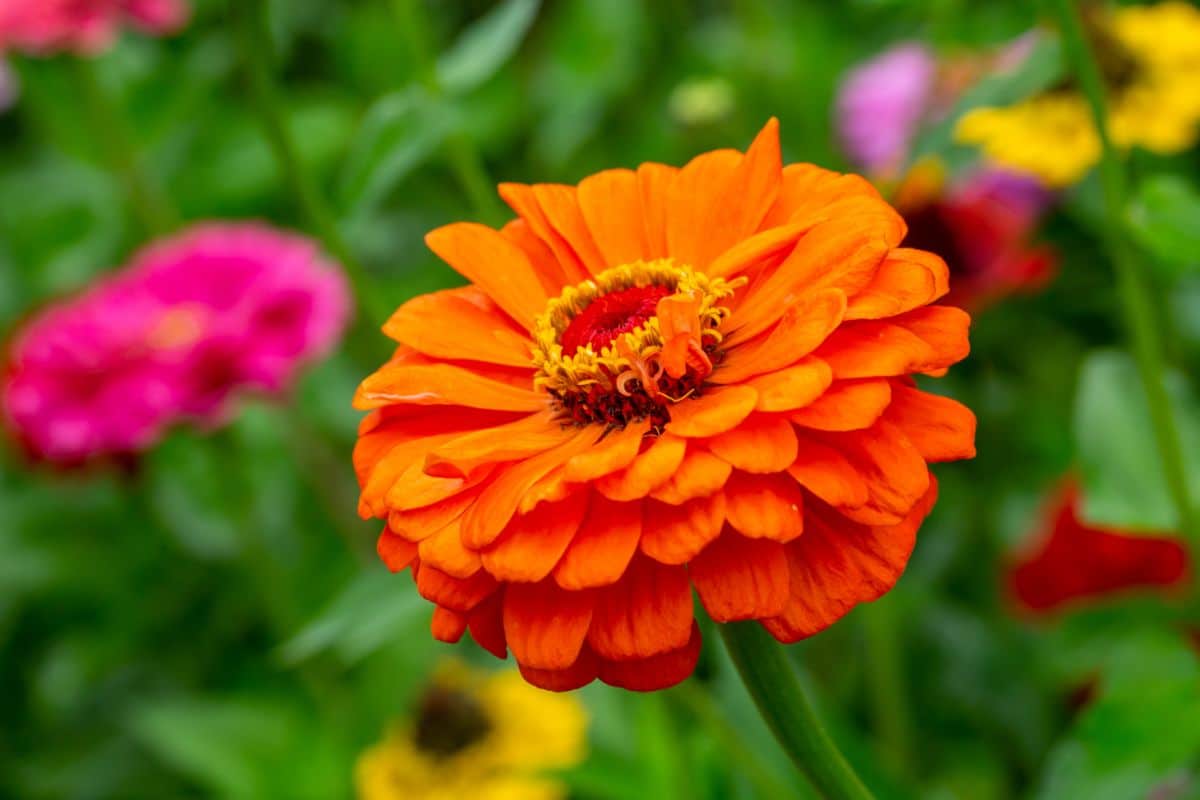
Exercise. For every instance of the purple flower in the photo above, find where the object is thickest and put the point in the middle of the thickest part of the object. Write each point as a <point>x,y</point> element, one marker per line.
<point>82,26</point>
<point>881,103</point>
<point>192,321</point>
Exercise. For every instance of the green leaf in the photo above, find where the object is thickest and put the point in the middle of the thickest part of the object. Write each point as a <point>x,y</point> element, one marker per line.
<point>1165,219</point>
<point>375,608</point>
<point>221,744</point>
<point>485,46</point>
<point>1122,471</point>
<point>1141,733</point>
<point>399,133</point>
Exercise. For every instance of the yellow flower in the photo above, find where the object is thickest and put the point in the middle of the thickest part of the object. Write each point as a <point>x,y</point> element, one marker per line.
<point>487,737</point>
<point>1150,59</point>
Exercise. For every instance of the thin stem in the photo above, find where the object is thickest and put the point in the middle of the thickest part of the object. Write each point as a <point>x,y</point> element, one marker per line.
<point>696,698</point>
<point>462,155</point>
<point>153,211</point>
<point>889,692</point>
<point>257,48</point>
<point>1136,303</point>
<point>781,701</point>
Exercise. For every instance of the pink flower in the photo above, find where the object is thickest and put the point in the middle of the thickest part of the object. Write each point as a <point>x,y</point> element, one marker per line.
<point>193,320</point>
<point>82,26</point>
<point>882,102</point>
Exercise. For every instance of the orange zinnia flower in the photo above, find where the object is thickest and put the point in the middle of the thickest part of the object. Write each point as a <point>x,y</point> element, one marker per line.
<point>663,379</point>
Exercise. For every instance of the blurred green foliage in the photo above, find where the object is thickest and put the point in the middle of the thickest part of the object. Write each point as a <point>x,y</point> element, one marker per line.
<point>212,622</point>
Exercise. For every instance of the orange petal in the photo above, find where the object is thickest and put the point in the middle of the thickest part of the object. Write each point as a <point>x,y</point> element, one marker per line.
<point>906,279</point>
<point>793,387</point>
<point>941,429</point>
<point>499,499</point>
<point>613,452</point>
<point>765,506</point>
<point>445,551</point>
<point>891,465</point>
<point>702,223</point>
<point>544,625</point>
<point>394,551</point>
<point>762,443</point>
<point>600,552</point>
<point>523,200</point>
<point>751,253</point>
<point>716,411</point>
<point>647,612</point>
<point>576,676</point>
<point>679,324</point>
<point>391,468</point>
<point>649,470</point>
<point>486,623</point>
<point>803,327</point>
<point>806,189</point>
<point>925,340</point>
<point>443,384</point>
<point>456,594</point>
<point>611,203</point>
<point>561,207</point>
<point>494,264</point>
<point>826,473</point>
<point>838,564</point>
<point>846,406</point>
<point>700,474</point>
<point>545,263</point>
<point>654,673</point>
<point>447,626</point>
<point>655,183</point>
<point>842,255</point>
<point>675,534</point>
<point>465,455</point>
<point>739,578</point>
<point>460,324</point>
<point>532,544</point>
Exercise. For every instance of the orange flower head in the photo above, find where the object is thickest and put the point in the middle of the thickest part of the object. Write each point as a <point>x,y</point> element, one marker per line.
<point>658,380</point>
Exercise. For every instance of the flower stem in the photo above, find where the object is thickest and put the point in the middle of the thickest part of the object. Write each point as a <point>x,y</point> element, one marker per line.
<point>462,155</point>
<point>256,46</point>
<point>782,703</point>
<point>153,211</point>
<point>889,694</point>
<point>1136,303</point>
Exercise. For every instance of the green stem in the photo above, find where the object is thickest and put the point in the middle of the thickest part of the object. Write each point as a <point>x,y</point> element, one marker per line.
<point>1136,303</point>
<point>462,155</point>
<point>781,701</point>
<point>256,46</point>
<point>153,210</point>
<point>889,694</point>
<point>767,785</point>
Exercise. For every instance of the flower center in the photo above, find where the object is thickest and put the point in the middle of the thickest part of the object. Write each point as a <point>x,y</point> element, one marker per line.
<point>631,342</point>
<point>611,315</point>
<point>449,721</point>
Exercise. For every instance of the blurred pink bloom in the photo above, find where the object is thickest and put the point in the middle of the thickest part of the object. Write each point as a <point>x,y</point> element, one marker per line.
<point>881,104</point>
<point>193,319</point>
<point>82,26</point>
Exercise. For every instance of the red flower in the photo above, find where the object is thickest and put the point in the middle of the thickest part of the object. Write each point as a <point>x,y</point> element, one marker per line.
<point>1074,561</point>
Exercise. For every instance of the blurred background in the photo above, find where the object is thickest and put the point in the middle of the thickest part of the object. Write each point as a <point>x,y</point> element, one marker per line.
<point>207,617</point>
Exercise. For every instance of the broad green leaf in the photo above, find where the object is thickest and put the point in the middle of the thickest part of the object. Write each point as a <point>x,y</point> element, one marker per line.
<point>399,133</point>
<point>1125,486</point>
<point>1165,219</point>
<point>1141,733</point>
<point>485,46</point>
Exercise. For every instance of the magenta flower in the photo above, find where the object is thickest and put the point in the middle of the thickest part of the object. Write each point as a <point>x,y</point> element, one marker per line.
<point>82,26</point>
<point>881,104</point>
<point>193,320</point>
